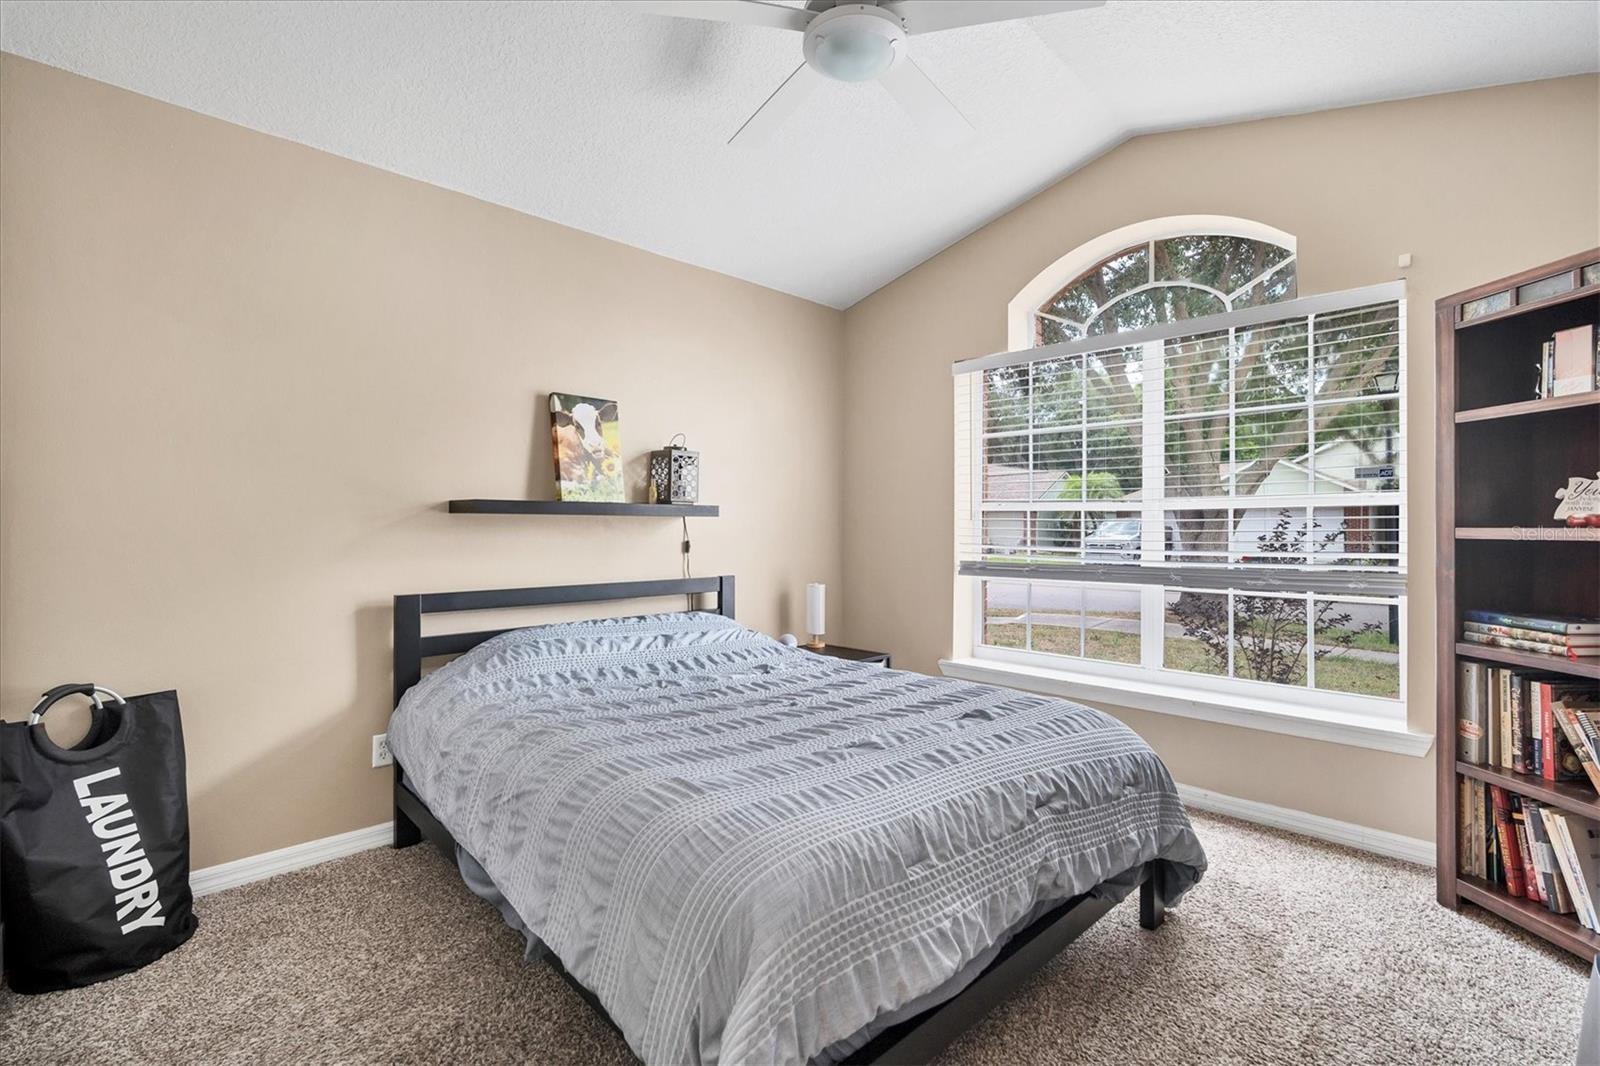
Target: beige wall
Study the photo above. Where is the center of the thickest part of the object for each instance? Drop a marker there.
(1474, 185)
(238, 379)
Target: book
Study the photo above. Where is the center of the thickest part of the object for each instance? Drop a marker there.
(1547, 360)
(1535, 728)
(1518, 633)
(1535, 860)
(1574, 361)
(1480, 853)
(1580, 839)
(1548, 760)
(1552, 882)
(1543, 623)
(1530, 874)
(1511, 688)
(1493, 857)
(1471, 742)
(1567, 859)
(1499, 699)
(1491, 718)
(1584, 837)
(1584, 709)
(1505, 833)
(1561, 762)
(1568, 720)
(1520, 698)
(1561, 650)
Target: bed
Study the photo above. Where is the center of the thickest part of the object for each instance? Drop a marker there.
(738, 851)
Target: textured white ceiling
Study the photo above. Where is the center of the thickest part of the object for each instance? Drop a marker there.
(615, 121)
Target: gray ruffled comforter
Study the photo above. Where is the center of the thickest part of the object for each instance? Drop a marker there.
(749, 852)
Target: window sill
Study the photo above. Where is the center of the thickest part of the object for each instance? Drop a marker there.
(1334, 727)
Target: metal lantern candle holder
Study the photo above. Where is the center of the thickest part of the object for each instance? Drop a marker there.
(675, 473)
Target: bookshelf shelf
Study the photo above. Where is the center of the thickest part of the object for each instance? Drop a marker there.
(1546, 534)
(1529, 407)
(1501, 457)
(1531, 659)
(1569, 796)
(1563, 930)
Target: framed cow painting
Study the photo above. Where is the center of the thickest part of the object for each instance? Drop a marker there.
(587, 442)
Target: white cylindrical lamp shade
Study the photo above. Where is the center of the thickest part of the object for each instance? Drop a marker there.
(816, 609)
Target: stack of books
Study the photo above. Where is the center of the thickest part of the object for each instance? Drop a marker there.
(1546, 726)
(1531, 850)
(1569, 363)
(1528, 722)
(1569, 638)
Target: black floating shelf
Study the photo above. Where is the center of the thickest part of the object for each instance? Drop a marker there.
(638, 510)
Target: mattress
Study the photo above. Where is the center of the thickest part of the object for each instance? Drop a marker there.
(750, 853)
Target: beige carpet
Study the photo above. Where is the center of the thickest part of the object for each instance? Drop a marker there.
(1290, 951)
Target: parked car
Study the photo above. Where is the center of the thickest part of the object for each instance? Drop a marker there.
(1119, 540)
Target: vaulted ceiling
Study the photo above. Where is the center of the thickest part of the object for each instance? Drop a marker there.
(614, 121)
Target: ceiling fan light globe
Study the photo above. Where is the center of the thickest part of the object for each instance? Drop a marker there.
(854, 42)
(851, 54)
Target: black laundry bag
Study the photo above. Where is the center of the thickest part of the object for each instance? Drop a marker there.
(94, 842)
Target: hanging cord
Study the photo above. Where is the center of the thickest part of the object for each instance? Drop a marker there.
(686, 573)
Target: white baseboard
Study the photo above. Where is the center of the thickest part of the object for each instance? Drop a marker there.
(295, 857)
(1377, 841)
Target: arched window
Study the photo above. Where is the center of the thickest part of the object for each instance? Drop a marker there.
(1167, 279)
(1153, 272)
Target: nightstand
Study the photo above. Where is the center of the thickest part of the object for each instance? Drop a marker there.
(858, 655)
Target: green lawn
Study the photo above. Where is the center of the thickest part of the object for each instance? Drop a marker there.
(1334, 674)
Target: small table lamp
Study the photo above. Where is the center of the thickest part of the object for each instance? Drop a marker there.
(816, 613)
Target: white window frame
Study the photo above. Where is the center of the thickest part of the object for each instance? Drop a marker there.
(1025, 305)
(1348, 718)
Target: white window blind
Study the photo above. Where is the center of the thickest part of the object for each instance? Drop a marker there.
(1168, 495)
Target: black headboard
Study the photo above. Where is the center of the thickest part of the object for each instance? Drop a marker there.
(411, 647)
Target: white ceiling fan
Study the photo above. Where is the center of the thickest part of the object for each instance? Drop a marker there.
(857, 42)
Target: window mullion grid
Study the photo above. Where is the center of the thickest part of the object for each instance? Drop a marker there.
(1402, 470)
(1311, 410)
(1232, 637)
(1233, 416)
(1311, 646)
(977, 415)
(1083, 496)
(1152, 502)
(1083, 622)
(1030, 527)
(1401, 458)
(1083, 437)
(1257, 280)
(1311, 487)
(1402, 622)
(1027, 615)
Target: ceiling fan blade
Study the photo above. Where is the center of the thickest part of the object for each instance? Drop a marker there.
(779, 106)
(932, 110)
(931, 16)
(744, 12)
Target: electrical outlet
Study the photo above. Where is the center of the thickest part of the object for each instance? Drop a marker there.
(380, 750)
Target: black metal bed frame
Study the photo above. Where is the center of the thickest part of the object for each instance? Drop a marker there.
(915, 1040)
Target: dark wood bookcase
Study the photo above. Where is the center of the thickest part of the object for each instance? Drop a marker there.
(1502, 454)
